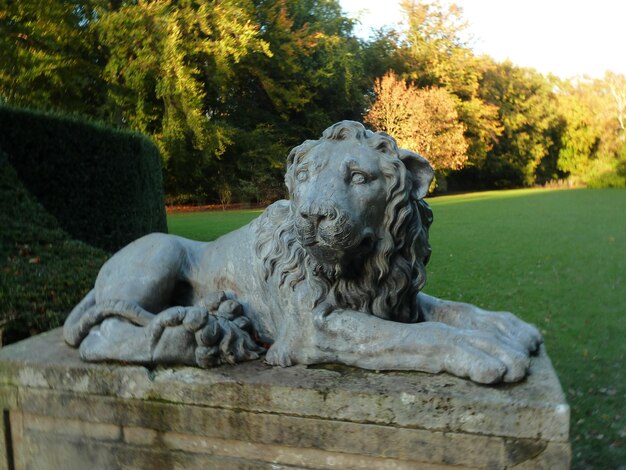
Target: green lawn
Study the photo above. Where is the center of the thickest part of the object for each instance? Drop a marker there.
(555, 258)
(207, 226)
(558, 260)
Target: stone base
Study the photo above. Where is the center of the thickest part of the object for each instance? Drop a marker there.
(62, 413)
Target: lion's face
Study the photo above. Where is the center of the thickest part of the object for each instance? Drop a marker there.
(355, 229)
(338, 199)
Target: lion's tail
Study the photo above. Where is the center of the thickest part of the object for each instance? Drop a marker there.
(73, 319)
(88, 314)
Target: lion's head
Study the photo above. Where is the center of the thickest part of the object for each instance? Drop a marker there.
(356, 227)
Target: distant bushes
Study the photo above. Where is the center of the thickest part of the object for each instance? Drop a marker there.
(103, 185)
(607, 172)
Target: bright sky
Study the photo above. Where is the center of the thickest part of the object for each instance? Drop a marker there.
(564, 37)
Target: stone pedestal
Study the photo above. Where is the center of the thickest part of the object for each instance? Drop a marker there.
(62, 413)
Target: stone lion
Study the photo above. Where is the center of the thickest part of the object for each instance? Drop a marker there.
(332, 275)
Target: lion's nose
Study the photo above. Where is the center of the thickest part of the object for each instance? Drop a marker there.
(317, 215)
(314, 218)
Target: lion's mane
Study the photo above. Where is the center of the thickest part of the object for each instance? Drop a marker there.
(393, 273)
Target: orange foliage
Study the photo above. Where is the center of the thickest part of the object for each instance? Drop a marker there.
(424, 120)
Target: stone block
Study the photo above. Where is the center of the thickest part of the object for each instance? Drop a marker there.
(63, 413)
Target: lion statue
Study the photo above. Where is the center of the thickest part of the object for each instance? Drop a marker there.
(332, 275)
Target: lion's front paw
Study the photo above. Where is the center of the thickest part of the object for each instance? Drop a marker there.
(511, 327)
(226, 335)
(277, 355)
(486, 358)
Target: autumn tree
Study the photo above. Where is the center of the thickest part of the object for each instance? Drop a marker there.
(423, 120)
(436, 52)
(226, 88)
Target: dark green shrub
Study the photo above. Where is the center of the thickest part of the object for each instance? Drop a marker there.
(103, 185)
(43, 272)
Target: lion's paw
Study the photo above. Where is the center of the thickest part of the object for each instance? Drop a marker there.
(226, 336)
(277, 355)
(511, 327)
(525, 333)
(486, 358)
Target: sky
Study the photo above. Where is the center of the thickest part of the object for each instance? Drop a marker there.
(566, 38)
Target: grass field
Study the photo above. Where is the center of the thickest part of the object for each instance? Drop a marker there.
(207, 226)
(555, 258)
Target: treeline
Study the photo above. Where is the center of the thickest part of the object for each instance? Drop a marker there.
(225, 88)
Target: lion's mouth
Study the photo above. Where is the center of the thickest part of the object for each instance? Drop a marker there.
(334, 241)
(337, 253)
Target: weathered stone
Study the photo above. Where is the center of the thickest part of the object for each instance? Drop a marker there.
(332, 275)
(65, 413)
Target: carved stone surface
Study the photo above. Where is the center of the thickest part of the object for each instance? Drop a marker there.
(61, 412)
(332, 275)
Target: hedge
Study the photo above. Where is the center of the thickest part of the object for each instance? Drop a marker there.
(43, 272)
(103, 185)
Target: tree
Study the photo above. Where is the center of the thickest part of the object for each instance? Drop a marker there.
(581, 132)
(437, 54)
(313, 78)
(616, 83)
(527, 112)
(225, 88)
(50, 55)
(423, 120)
(593, 147)
(433, 39)
(170, 71)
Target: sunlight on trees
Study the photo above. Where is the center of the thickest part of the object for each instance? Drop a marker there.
(49, 56)
(593, 141)
(226, 88)
(528, 114)
(434, 54)
(617, 86)
(433, 38)
(171, 83)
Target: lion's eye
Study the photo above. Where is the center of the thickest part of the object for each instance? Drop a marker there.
(358, 178)
(302, 175)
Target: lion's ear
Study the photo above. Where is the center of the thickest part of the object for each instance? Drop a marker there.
(420, 170)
